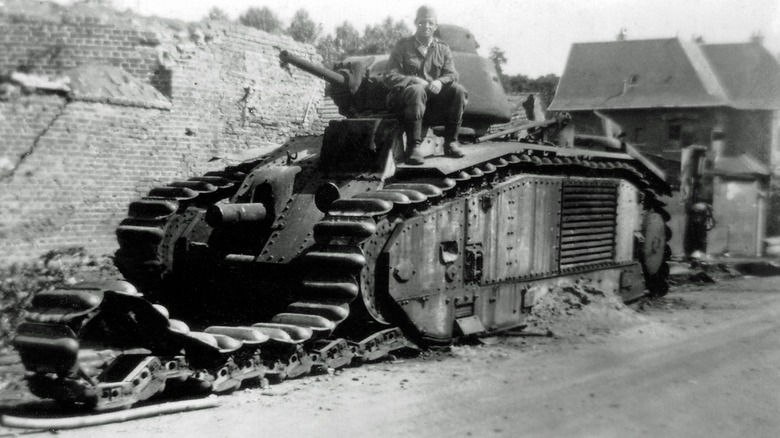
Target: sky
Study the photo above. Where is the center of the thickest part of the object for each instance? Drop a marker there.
(535, 35)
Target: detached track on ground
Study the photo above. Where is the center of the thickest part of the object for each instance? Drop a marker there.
(688, 371)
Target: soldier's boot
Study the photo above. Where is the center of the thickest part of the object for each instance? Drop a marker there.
(451, 145)
(415, 157)
(413, 142)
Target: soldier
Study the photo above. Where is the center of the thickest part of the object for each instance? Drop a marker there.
(420, 74)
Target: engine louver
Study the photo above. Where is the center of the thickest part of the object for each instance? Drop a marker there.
(588, 218)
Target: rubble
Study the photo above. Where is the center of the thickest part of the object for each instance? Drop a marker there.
(579, 310)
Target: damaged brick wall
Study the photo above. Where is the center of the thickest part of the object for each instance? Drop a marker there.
(48, 45)
(70, 163)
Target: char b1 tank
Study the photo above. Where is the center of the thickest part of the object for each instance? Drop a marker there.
(331, 249)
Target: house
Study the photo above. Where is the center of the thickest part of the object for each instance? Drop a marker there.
(709, 114)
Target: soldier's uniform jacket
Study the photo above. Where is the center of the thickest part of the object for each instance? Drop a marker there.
(407, 60)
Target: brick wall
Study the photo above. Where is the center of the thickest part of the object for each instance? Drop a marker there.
(48, 45)
(69, 167)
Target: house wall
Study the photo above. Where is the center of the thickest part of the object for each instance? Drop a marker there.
(586, 122)
(649, 129)
(68, 168)
(752, 132)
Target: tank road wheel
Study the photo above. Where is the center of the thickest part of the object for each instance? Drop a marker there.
(654, 252)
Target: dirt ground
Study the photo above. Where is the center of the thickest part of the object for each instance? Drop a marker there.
(703, 361)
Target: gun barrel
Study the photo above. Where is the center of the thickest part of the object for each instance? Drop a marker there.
(517, 128)
(310, 67)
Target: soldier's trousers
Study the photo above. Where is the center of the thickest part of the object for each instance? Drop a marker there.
(415, 103)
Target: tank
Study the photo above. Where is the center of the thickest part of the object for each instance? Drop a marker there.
(330, 250)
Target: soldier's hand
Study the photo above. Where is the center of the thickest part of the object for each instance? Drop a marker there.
(419, 81)
(434, 87)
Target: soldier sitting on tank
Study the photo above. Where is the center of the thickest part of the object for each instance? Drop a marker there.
(421, 75)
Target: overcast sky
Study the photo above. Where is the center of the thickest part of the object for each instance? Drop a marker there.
(535, 35)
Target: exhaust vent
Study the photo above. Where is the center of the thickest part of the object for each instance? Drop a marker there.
(588, 219)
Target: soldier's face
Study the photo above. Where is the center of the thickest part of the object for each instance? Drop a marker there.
(426, 26)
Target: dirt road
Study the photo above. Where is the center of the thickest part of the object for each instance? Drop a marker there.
(703, 362)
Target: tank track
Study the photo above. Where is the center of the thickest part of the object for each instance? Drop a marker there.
(103, 346)
(293, 343)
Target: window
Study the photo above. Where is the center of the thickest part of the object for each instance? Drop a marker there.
(675, 132)
(637, 135)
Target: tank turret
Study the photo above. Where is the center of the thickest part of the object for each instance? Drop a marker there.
(356, 83)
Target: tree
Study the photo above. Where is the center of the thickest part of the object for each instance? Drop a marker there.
(377, 39)
(382, 37)
(217, 14)
(348, 39)
(498, 57)
(546, 86)
(303, 29)
(261, 18)
(518, 83)
(326, 47)
(346, 42)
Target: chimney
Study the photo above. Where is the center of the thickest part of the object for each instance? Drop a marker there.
(623, 34)
(757, 38)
